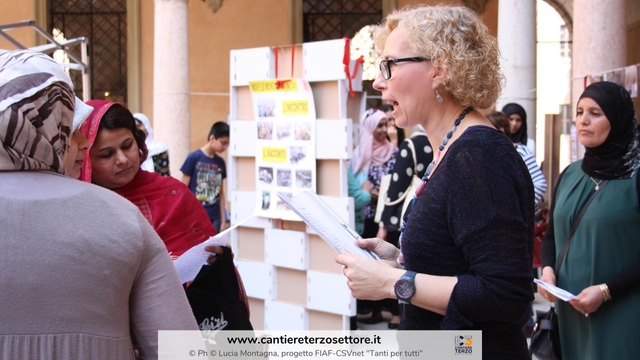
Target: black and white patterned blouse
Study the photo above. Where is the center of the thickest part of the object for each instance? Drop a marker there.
(402, 175)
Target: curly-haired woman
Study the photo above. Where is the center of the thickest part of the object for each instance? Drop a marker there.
(467, 243)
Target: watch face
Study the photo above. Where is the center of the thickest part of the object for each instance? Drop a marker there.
(404, 288)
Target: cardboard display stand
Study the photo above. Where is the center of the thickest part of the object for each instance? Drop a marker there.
(289, 272)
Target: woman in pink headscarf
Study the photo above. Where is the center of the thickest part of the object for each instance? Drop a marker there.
(372, 159)
(374, 149)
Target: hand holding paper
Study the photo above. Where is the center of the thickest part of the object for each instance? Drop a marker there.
(189, 264)
(556, 291)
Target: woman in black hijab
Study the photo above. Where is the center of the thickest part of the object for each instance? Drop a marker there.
(518, 122)
(601, 266)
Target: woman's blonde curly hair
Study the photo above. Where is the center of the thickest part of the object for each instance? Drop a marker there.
(457, 42)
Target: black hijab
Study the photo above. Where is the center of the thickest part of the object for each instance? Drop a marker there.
(519, 137)
(619, 155)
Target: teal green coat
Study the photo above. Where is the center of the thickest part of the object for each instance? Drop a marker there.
(606, 243)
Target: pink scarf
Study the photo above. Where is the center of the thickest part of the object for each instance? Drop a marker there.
(370, 151)
(90, 130)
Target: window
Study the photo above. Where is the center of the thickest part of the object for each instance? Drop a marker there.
(104, 24)
(565, 42)
(334, 19)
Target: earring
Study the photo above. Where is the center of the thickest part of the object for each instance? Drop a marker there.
(439, 98)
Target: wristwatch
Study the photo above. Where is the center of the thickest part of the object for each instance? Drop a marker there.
(405, 287)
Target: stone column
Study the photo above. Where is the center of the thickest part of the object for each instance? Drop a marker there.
(171, 103)
(599, 41)
(517, 42)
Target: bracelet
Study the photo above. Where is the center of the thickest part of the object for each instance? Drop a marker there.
(606, 295)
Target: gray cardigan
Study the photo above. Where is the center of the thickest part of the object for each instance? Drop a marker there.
(83, 274)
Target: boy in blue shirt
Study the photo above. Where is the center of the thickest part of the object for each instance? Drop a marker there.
(204, 171)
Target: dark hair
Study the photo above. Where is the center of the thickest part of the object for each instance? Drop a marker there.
(500, 120)
(401, 134)
(219, 130)
(118, 117)
(520, 137)
(387, 107)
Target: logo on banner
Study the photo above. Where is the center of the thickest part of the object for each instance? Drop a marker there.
(464, 344)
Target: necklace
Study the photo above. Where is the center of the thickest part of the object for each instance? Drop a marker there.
(436, 157)
(596, 182)
(425, 178)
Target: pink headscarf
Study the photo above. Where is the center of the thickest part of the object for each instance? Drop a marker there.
(370, 151)
(90, 130)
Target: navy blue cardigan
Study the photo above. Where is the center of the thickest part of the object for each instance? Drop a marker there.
(475, 221)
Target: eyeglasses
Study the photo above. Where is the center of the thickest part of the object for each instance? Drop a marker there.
(385, 65)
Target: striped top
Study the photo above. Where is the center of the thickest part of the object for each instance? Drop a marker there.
(537, 177)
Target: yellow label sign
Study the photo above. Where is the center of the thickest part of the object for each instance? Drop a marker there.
(274, 86)
(295, 107)
(274, 154)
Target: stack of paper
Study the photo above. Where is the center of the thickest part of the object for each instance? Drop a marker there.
(331, 228)
(556, 291)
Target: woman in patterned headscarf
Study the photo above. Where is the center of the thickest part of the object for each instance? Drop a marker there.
(37, 106)
(601, 265)
(76, 283)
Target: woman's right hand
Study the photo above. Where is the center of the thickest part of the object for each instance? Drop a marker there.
(548, 276)
(215, 251)
(367, 278)
(385, 250)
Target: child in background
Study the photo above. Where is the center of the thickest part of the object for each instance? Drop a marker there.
(204, 171)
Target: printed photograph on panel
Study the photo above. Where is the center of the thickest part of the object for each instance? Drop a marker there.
(284, 177)
(303, 131)
(297, 154)
(281, 205)
(283, 130)
(266, 199)
(265, 174)
(303, 178)
(265, 130)
(267, 108)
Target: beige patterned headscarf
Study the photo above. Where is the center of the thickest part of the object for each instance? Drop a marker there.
(36, 112)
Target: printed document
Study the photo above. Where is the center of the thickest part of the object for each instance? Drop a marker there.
(331, 228)
(556, 291)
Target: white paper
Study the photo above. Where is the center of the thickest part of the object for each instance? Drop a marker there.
(331, 228)
(556, 291)
(189, 264)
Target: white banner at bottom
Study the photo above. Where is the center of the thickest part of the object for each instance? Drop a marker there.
(304, 345)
